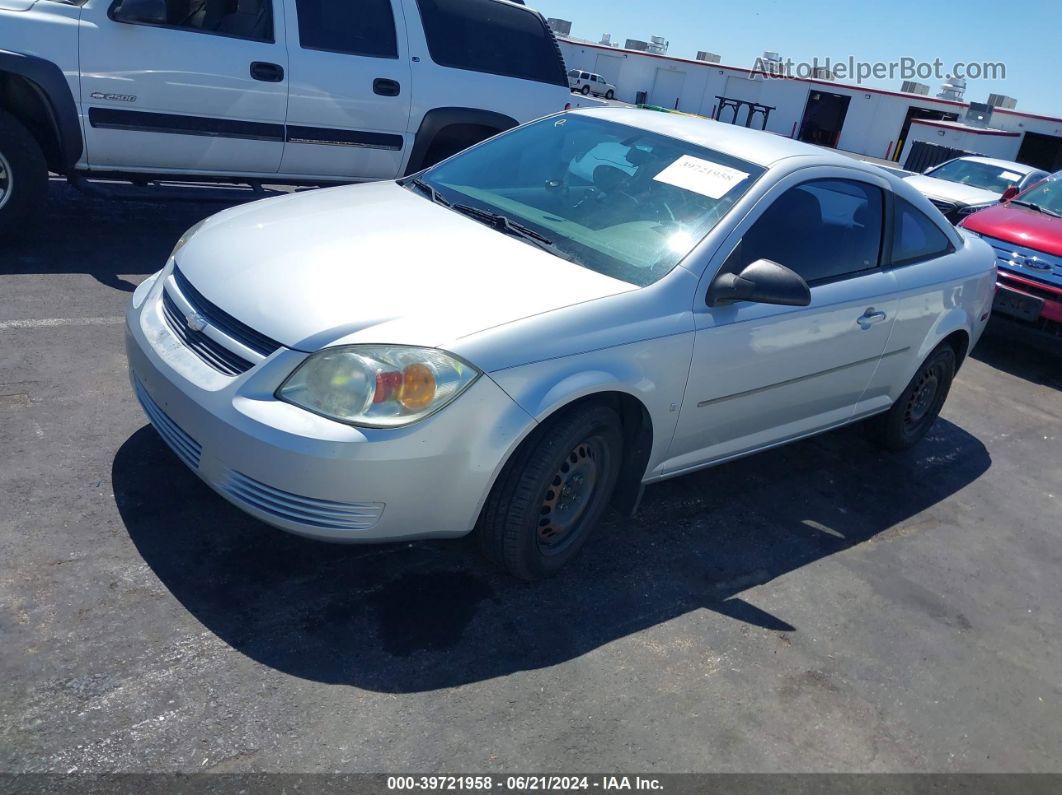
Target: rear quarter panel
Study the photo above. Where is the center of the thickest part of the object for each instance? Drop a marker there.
(935, 299)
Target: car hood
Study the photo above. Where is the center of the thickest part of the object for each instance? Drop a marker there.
(1019, 225)
(375, 263)
(951, 191)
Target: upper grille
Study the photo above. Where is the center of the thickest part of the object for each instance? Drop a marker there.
(1021, 259)
(217, 356)
(222, 320)
(186, 448)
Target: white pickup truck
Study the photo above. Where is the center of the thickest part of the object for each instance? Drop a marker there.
(310, 91)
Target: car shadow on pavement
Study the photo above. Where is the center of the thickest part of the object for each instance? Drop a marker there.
(420, 616)
(105, 238)
(1008, 348)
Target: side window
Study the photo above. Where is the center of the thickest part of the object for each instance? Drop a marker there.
(821, 229)
(492, 36)
(914, 236)
(365, 27)
(245, 19)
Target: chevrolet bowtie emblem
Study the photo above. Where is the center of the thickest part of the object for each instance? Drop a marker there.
(195, 321)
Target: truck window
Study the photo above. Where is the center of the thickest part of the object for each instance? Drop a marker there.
(363, 28)
(491, 36)
(245, 19)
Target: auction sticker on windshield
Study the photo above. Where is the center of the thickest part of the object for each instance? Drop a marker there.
(701, 176)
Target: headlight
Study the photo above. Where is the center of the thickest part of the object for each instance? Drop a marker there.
(188, 235)
(379, 386)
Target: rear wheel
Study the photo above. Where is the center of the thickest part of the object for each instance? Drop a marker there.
(914, 413)
(585, 90)
(552, 493)
(23, 175)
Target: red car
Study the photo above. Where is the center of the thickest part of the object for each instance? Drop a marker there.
(1026, 233)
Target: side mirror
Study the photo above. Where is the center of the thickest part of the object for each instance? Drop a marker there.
(763, 282)
(153, 12)
(1009, 193)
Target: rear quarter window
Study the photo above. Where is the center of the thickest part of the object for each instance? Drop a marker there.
(494, 37)
(914, 236)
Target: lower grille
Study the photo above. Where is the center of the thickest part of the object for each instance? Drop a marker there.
(186, 448)
(217, 356)
(301, 510)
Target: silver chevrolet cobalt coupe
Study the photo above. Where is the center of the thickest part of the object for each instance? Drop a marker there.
(513, 339)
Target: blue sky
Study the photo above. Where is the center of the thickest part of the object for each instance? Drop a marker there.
(1026, 35)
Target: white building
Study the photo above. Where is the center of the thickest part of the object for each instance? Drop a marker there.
(869, 121)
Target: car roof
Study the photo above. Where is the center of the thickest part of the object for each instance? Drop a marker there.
(755, 146)
(1010, 165)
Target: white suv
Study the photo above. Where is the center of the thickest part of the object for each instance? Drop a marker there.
(305, 91)
(587, 83)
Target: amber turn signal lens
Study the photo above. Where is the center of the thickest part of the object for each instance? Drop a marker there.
(418, 387)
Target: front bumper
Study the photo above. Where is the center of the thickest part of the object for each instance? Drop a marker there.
(307, 474)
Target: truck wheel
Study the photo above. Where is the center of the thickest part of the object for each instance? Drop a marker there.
(552, 492)
(23, 175)
(915, 411)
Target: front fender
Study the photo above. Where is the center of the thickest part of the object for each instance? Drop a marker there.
(654, 372)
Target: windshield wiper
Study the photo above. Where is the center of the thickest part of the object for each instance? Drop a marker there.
(503, 223)
(1034, 206)
(424, 187)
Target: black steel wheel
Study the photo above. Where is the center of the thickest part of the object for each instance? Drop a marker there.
(552, 492)
(914, 413)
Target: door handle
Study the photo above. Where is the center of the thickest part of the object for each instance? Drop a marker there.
(267, 72)
(869, 318)
(385, 87)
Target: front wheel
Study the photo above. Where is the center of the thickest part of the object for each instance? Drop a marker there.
(552, 492)
(23, 176)
(610, 94)
(912, 415)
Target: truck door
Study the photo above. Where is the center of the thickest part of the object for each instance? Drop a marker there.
(196, 86)
(350, 89)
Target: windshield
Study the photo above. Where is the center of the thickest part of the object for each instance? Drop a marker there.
(619, 200)
(1046, 194)
(977, 175)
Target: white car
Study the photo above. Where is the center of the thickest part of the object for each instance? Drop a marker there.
(303, 91)
(967, 184)
(587, 83)
(505, 344)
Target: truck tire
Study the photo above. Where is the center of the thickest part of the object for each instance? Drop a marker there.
(23, 176)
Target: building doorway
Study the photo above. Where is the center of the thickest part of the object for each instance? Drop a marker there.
(823, 118)
(1041, 151)
(913, 113)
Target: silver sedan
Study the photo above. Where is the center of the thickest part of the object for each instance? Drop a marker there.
(520, 336)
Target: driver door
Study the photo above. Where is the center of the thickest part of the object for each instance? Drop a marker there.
(763, 374)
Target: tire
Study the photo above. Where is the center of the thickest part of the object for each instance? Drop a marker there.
(610, 94)
(915, 411)
(23, 176)
(552, 492)
(585, 90)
